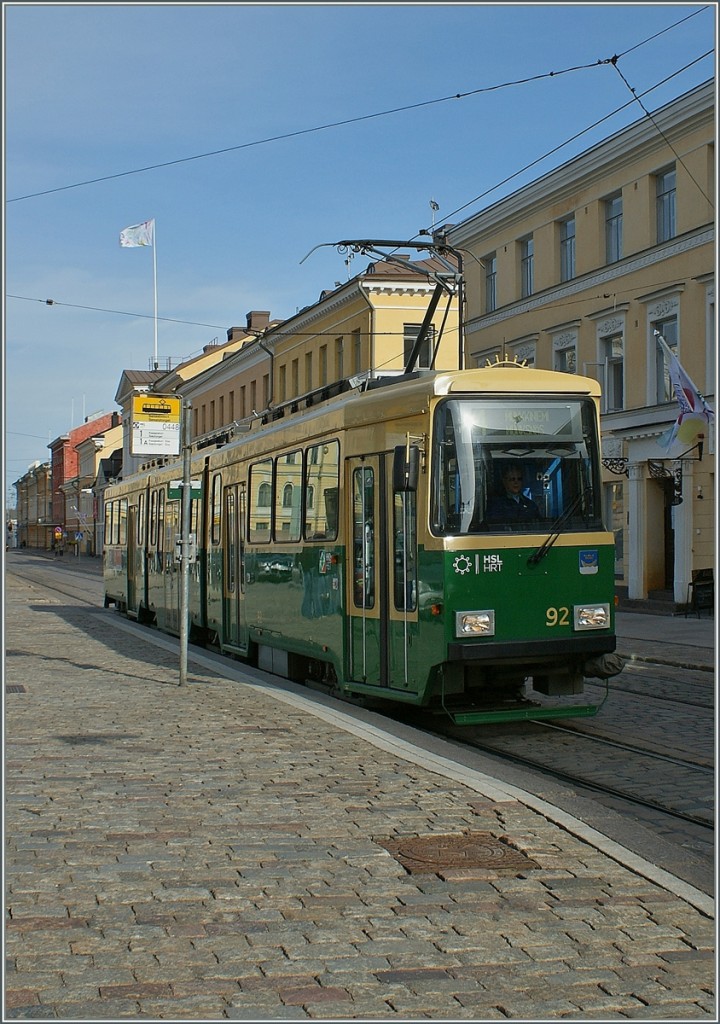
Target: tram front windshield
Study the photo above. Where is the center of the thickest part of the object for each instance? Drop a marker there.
(515, 464)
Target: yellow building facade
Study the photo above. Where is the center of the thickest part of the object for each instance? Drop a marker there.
(580, 271)
(359, 330)
(34, 507)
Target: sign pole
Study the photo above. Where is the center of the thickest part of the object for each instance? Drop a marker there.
(185, 543)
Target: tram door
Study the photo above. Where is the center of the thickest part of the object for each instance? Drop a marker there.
(235, 634)
(172, 567)
(132, 558)
(382, 599)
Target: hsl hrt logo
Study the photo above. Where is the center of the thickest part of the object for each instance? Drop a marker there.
(492, 563)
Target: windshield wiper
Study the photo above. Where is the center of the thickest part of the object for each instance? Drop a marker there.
(556, 529)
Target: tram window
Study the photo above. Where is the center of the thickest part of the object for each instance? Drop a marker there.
(216, 509)
(194, 515)
(322, 482)
(231, 527)
(153, 517)
(140, 525)
(116, 522)
(363, 492)
(288, 496)
(515, 466)
(122, 521)
(260, 510)
(108, 522)
(161, 521)
(405, 550)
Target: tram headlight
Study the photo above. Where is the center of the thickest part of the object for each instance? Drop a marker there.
(475, 623)
(592, 616)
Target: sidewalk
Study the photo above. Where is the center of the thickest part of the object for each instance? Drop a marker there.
(224, 850)
(667, 639)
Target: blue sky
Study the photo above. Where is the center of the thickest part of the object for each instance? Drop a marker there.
(93, 91)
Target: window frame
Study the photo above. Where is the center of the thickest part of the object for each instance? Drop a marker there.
(614, 228)
(567, 249)
(666, 205)
(527, 266)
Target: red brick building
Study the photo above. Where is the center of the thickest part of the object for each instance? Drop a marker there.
(64, 458)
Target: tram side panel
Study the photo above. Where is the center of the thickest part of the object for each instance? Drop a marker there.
(293, 561)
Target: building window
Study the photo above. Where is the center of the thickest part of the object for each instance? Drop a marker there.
(264, 495)
(490, 282)
(232, 407)
(266, 390)
(665, 191)
(243, 405)
(323, 366)
(357, 351)
(613, 229)
(283, 382)
(669, 331)
(410, 334)
(295, 377)
(613, 358)
(308, 371)
(253, 397)
(567, 249)
(339, 370)
(565, 359)
(527, 266)
(222, 411)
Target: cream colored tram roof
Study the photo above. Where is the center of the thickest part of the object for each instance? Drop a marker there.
(400, 399)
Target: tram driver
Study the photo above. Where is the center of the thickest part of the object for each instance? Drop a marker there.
(512, 507)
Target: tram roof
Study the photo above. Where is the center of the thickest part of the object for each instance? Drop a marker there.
(381, 398)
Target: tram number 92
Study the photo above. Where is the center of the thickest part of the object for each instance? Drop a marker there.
(557, 617)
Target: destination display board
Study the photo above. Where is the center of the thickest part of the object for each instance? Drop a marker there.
(155, 425)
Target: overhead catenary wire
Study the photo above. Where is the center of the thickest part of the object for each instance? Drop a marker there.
(648, 114)
(573, 138)
(118, 312)
(354, 120)
(308, 131)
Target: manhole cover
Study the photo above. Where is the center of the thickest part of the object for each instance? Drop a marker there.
(473, 850)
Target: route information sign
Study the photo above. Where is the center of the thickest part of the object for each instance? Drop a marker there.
(155, 425)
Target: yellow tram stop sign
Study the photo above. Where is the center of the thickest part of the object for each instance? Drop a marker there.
(155, 425)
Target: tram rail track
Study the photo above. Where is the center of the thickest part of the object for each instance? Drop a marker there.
(611, 791)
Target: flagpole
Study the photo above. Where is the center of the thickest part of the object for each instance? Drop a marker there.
(154, 249)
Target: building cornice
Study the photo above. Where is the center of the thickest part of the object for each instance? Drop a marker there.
(622, 149)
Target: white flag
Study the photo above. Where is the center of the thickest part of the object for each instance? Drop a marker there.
(695, 414)
(138, 234)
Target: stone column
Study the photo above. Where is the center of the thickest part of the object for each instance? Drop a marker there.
(683, 526)
(637, 587)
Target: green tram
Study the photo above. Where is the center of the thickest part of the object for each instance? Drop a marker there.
(434, 539)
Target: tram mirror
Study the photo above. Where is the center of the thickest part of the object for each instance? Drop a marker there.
(406, 468)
